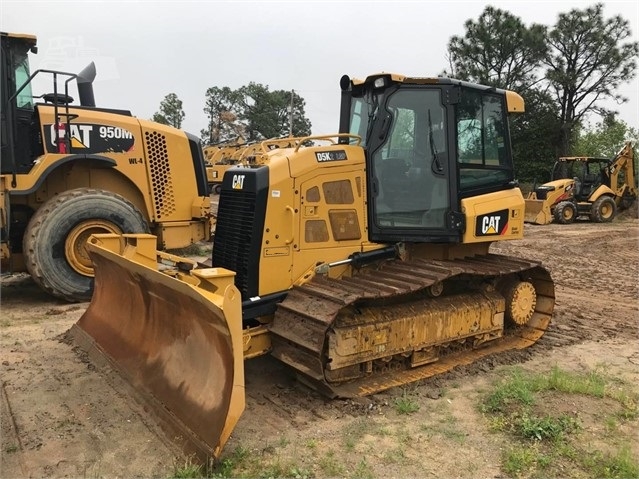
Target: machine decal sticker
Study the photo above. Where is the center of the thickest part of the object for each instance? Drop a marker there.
(238, 182)
(89, 138)
(492, 224)
(324, 156)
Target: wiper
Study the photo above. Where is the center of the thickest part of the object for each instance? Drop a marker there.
(436, 164)
(371, 101)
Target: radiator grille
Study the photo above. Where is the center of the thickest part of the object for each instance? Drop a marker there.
(234, 235)
(161, 180)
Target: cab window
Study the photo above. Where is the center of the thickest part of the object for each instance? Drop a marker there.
(410, 167)
(483, 155)
(25, 97)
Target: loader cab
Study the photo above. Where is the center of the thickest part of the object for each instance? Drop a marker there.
(17, 106)
(429, 142)
(22, 141)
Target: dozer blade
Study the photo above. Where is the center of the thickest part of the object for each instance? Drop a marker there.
(537, 212)
(179, 344)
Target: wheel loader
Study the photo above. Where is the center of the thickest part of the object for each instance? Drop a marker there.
(362, 262)
(585, 186)
(70, 170)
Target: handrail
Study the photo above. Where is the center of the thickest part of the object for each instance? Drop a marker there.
(289, 241)
(330, 138)
(56, 112)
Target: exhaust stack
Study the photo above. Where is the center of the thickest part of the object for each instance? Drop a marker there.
(85, 85)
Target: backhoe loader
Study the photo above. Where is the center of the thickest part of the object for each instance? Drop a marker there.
(361, 262)
(585, 186)
(68, 171)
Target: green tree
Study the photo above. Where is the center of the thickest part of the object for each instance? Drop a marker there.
(170, 112)
(267, 114)
(498, 50)
(222, 107)
(588, 60)
(254, 113)
(605, 139)
(535, 136)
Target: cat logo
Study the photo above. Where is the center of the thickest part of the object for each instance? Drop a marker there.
(80, 135)
(90, 138)
(492, 224)
(238, 182)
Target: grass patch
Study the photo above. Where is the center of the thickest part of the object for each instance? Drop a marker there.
(620, 465)
(253, 464)
(363, 470)
(331, 465)
(518, 459)
(406, 404)
(188, 469)
(516, 390)
(542, 414)
(356, 430)
(447, 428)
(544, 428)
(396, 455)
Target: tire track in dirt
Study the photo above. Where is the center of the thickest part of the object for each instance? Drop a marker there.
(595, 268)
(68, 421)
(74, 421)
(596, 300)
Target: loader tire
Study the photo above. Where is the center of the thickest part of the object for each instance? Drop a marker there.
(603, 210)
(565, 212)
(54, 242)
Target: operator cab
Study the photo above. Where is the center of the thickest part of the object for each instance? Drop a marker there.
(429, 143)
(588, 173)
(21, 134)
(16, 109)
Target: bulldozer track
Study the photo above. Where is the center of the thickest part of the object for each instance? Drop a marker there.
(303, 320)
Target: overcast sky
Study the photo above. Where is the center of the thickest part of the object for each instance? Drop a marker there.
(144, 50)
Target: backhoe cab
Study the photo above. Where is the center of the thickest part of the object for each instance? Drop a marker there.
(585, 186)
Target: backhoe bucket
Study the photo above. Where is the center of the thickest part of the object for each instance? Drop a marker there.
(178, 342)
(537, 212)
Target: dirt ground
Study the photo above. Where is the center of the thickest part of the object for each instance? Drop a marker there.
(63, 418)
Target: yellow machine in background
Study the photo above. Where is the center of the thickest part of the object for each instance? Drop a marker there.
(362, 263)
(221, 158)
(585, 186)
(69, 171)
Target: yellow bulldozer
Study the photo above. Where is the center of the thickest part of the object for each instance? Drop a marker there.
(590, 187)
(362, 262)
(69, 171)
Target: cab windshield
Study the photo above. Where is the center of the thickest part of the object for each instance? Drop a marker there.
(20, 68)
(409, 166)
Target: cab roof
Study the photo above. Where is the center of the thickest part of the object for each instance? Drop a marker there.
(514, 101)
(21, 36)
